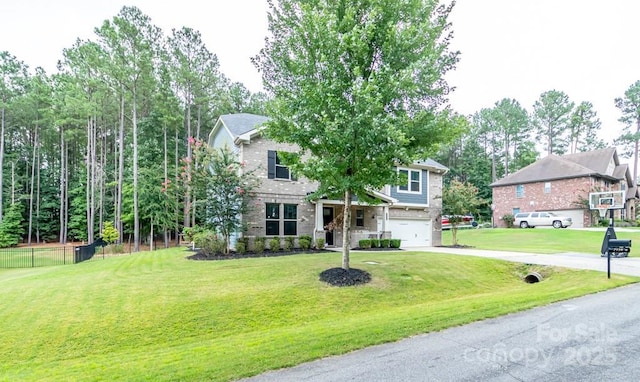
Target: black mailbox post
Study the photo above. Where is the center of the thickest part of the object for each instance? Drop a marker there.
(614, 247)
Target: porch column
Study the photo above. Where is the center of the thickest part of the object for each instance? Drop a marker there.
(319, 226)
(385, 218)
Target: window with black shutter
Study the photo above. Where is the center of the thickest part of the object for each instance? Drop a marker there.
(277, 170)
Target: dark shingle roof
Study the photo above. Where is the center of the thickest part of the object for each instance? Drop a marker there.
(241, 123)
(432, 164)
(597, 160)
(551, 167)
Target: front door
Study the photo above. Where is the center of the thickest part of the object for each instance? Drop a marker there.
(327, 217)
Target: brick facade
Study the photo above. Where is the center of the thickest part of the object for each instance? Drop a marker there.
(563, 194)
(253, 150)
(279, 191)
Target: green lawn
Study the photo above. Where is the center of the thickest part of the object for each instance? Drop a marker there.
(156, 316)
(537, 240)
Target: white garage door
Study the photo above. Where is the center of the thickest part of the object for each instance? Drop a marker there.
(577, 217)
(413, 233)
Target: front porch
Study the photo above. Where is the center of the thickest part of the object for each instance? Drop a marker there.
(367, 222)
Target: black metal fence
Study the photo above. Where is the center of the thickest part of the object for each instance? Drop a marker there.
(46, 256)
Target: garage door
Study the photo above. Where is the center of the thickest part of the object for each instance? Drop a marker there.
(413, 233)
(577, 217)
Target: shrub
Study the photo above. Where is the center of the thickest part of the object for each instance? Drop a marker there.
(274, 244)
(189, 233)
(375, 243)
(289, 242)
(509, 219)
(394, 243)
(320, 243)
(241, 247)
(109, 233)
(258, 244)
(305, 237)
(305, 243)
(208, 242)
(364, 243)
(384, 243)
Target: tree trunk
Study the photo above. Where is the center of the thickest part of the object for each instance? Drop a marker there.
(175, 179)
(38, 203)
(120, 186)
(63, 171)
(13, 182)
(2, 122)
(346, 228)
(151, 236)
(136, 213)
(102, 186)
(32, 184)
(187, 201)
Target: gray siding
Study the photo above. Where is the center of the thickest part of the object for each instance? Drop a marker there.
(422, 198)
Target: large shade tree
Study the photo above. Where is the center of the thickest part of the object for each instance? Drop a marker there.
(629, 107)
(358, 86)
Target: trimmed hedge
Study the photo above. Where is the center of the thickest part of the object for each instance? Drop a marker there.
(364, 243)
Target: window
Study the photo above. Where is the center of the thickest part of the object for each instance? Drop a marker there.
(290, 219)
(520, 191)
(413, 181)
(359, 218)
(273, 219)
(547, 187)
(277, 170)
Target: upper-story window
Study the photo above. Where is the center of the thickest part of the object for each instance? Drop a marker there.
(277, 170)
(547, 187)
(520, 191)
(411, 181)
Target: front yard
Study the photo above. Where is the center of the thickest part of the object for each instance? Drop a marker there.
(157, 316)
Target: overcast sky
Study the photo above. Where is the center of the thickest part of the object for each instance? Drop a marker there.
(509, 48)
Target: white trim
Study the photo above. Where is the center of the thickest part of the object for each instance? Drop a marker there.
(410, 181)
(411, 205)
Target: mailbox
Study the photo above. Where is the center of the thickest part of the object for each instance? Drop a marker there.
(618, 247)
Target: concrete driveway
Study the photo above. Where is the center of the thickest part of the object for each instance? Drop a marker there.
(625, 265)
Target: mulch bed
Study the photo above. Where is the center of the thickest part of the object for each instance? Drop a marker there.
(334, 276)
(341, 277)
(247, 255)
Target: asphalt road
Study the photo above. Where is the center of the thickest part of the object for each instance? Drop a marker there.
(591, 338)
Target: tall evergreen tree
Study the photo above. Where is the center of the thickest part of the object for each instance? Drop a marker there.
(551, 118)
(584, 126)
(629, 107)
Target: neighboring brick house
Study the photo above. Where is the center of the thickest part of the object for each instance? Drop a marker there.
(409, 212)
(562, 184)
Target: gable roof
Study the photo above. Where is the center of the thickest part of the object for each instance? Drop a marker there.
(597, 160)
(242, 123)
(554, 167)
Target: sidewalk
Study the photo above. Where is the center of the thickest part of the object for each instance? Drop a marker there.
(625, 266)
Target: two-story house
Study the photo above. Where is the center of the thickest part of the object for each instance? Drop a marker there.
(562, 184)
(409, 212)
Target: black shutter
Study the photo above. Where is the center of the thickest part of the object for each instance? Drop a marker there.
(271, 164)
